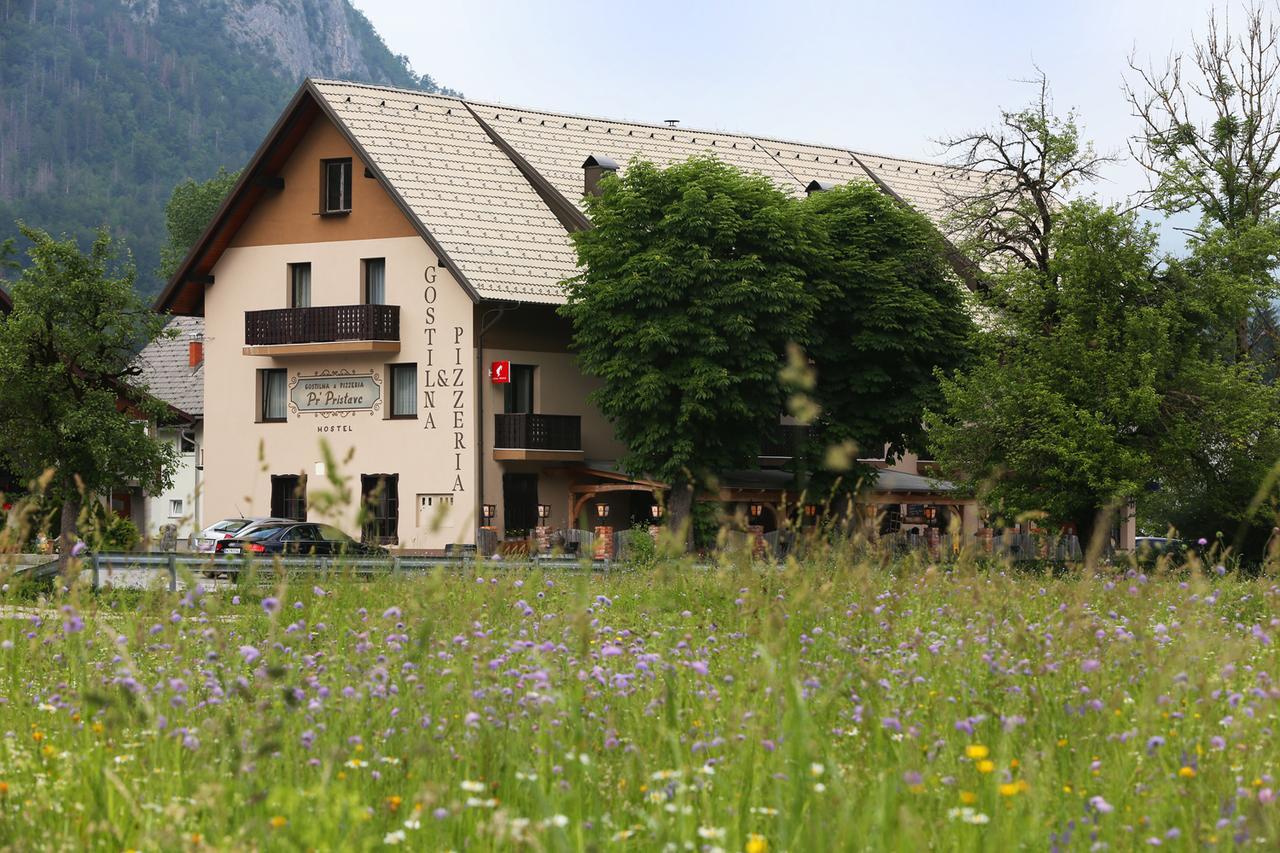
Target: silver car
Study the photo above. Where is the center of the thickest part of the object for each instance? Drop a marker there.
(228, 528)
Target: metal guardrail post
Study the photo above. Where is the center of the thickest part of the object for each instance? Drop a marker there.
(395, 566)
(173, 572)
(96, 563)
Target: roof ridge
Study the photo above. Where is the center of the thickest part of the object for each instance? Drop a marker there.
(747, 136)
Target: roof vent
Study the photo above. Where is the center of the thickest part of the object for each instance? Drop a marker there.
(819, 186)
(671, 122)
(593, 169)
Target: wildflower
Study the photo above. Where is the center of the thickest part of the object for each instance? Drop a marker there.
(4, 789)
(1185, 772)
(968, 797)
(816, 770)
(270, 604)
(711, 833)
(559, 821)
(986, 765)
(976, 751)
(1090, 665)
(1265, 796)
(1101, 806)
(278, 821)
(472, 787)
(393, 802)
(413, 823)
(819, 788)
(249, 653)
(393, 838)
(756, 843)
(1010, 789)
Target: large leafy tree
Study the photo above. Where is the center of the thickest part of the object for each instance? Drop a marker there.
(891, 315)
(1209, 139)
(66, 358)
(190, 210)
(693, 284)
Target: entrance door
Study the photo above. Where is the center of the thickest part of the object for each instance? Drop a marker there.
(520, 503)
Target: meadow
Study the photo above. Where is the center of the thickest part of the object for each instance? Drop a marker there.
(845, 703)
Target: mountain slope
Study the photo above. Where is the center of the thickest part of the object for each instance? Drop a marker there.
(105, 105)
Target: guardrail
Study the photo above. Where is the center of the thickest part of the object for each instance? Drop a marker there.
(174, 564)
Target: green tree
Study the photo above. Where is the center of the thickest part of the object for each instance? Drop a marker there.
(890, 314)
(1108, 383)
(190, 210)
(66, 358)
(693, 285)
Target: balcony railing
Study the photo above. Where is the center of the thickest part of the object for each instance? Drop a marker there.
(781, 443)
(538, 432)
(327, 324)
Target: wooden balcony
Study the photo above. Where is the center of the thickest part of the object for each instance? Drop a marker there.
(550, 438)
(330, 329)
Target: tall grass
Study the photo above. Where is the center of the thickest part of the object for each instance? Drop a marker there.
(841, 704)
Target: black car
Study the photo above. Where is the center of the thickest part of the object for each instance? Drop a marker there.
(296, 538)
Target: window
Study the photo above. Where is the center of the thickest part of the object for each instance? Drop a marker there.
(299, 285)
(379, 495)
(273, 401)
(175, 508)
(404, 390)
(375, 281)
(336, 186)
(518, 393)
(289, 496)
(186, 442)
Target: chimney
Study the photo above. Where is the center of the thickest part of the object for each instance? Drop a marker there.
(819, 186)
(195, 353)
(671, 122)
(593, 170)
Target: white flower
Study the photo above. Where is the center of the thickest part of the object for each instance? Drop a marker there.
(526, 777)
(707, 770)
(413, 823)
(356, 763)
(560, 821)
(978, 818)
(121, 759)
(396, 837)
(819, 788)
(711, 833)
(472, 787)
(477, 803)
(816, 770)
(45, 706)
(764, 810)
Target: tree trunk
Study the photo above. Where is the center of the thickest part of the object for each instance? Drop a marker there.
(67, 525)
(680, 511)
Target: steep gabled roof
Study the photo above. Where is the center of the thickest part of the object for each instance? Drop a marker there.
(166, 367)
(496, 190)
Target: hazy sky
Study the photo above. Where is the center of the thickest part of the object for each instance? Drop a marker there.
(889, 77)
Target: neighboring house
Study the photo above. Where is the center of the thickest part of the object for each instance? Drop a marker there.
(385, 277)
(173, 372)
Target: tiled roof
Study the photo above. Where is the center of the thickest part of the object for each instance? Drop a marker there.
(491, 221)
(166, 369)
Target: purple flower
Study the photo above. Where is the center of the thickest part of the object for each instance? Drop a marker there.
(699, 666)
(270, 604)
(250, 654)
(1090, 665)
(1101, 806)
(391, 613)
(79, 548)
(911, 777)
(1154, 743)
(891, 723)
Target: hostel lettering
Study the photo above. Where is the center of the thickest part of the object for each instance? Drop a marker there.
(451, 378)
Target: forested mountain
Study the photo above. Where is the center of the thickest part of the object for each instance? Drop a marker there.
(105, 105)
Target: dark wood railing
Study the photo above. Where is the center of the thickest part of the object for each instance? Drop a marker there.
(322, 325)
(780, 443)
(538, 432)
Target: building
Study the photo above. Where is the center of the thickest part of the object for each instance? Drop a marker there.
(385, 276)
(173, 372)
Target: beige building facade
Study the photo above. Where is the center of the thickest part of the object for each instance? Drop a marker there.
(384, 281)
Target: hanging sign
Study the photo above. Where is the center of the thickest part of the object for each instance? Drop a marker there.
(500, 372)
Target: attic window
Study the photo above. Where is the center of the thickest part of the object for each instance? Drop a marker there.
(336, 182)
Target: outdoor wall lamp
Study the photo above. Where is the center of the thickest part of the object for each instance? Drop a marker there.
(544, 511)
(756, 510)
(602, 510)
(811, 510)
(656, 512)
(487, 511)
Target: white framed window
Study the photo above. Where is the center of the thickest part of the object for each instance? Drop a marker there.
(337, 186)
(404, 390)
(299, 285)
(175, 508)
(274, 395)
(375, 281)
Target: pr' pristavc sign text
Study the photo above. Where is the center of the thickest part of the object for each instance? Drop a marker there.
(358, 392)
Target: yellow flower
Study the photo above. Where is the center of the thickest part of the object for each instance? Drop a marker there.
(1010, 789)
(1187, 772)
(49, 751)
(968, 797)
(976, 751)
(1062, 741)
(98, 727)
(278, 821)
(986, 766)
(37, 736)
(756, 844)
(196, 838)
(393, 802)
(4, 789)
